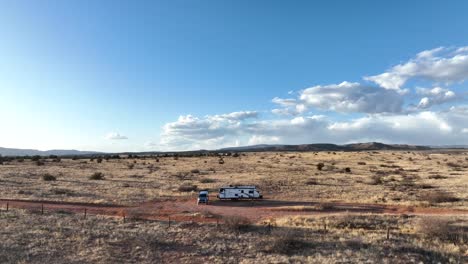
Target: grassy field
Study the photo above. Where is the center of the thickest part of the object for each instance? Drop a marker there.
(28, 237)
(423, 179)
(410, 178)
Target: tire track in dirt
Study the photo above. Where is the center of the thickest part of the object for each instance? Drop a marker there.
(187, 209)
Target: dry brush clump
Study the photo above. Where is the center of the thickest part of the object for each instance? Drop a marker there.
(237, 223)
(432, 227)
(436, 197)
(285, 242)
(207, 180)
(97, 176)
(48, 177)
(187, 188)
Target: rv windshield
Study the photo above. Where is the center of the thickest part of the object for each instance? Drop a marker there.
(202, 195)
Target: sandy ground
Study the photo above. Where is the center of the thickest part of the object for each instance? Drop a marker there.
(256, 211)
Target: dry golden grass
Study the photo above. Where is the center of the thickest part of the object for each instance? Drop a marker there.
(57, 237)
(407, 178)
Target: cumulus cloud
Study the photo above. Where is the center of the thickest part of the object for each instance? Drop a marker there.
(434, 96)
(235, 116)
(444, 127)
(284, 102)
(345, 97)
(212, 131)
(115, 136)
(352, 97)
(385, 109)
(442, 65)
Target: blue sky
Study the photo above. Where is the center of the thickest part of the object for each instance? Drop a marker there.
(175, 75)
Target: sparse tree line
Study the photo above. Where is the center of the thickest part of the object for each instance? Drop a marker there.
(40, 160)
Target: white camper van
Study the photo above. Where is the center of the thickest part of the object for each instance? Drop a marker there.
(239, 192)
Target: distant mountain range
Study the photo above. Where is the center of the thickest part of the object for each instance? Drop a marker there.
(371, 146)
(328, 147)
(34, 152)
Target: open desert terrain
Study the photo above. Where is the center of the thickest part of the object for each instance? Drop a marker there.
(318, 207)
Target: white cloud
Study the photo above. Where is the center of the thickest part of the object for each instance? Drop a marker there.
(115, 136)
(235, 116)
(345, 97)
(442, 65)
(352, 97)
(388, 111)
(256, 140)
(427, 128)
(434, 96)
(284, 102)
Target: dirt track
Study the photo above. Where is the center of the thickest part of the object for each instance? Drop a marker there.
(188, 210)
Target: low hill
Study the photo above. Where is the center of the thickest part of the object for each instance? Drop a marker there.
(34, 152)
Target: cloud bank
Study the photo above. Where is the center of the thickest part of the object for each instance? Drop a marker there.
(389, 107)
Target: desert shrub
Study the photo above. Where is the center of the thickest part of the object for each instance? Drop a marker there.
(48, 177)
(131, 166)
(40, 163)
(426, 186)
(236, 223)
(207, 180)
(440, 197)
(440, 228)
(97, 176)
(454, 165)
(99, 160)
(135, 214)
(320, 166)
(188, 188)
(62, 192)
(286, 242)
(437, 177)
(361, 163)
(235, 155)
(347, 170)
(376, 179)
(36, 158)
(195, 171)
(221, 161)
(311, 181)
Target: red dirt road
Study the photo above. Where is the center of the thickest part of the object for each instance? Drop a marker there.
(188, 210)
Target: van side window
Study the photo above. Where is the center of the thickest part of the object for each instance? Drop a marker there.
(221, 190)
(242, 191)
(251, 191)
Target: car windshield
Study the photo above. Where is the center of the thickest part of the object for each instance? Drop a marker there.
(202, 195)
